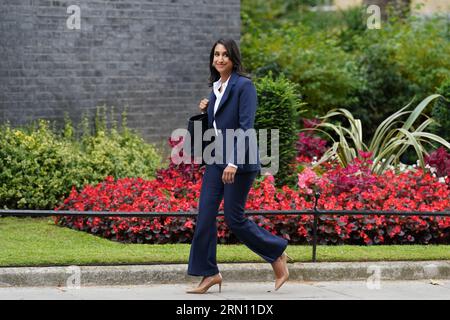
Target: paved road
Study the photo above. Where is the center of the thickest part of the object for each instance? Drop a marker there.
(342, 290)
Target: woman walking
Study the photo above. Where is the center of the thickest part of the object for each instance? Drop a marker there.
(231, 105)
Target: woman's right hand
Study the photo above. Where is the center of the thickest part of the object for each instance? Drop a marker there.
(203, 105)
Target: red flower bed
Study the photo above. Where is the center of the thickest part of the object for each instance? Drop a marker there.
(178, 188)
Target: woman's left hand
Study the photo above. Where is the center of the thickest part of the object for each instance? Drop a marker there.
(228, 174)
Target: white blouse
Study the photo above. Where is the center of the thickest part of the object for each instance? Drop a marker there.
(219, 95)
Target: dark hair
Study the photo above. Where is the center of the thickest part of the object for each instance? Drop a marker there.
(233, 53)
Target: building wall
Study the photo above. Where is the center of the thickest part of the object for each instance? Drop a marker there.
(151, 56)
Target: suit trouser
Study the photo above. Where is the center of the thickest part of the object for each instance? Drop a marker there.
(202, 258)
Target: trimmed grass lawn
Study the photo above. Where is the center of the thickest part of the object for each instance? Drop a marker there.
(39, 242)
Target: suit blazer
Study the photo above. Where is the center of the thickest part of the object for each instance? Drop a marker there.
(236, 110)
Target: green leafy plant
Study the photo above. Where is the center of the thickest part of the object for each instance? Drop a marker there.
(401, 60)
(441, 112)
(39, 165)
(326, 75)
(339, 63)
(118, 153)
(391, 139)
(279, 107)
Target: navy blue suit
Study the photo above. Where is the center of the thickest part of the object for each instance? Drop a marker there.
(236, 110)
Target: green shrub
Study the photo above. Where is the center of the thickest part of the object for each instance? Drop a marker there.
(39, 166)
(120, 154)
(341, 63)
(275, 13)
(36, 167)
(279, 107)
(441, 112)
(386, 88)
(399, 61)
(327, 76)
(353, 23)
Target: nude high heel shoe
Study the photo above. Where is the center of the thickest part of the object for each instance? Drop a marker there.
(208, 283)
(281, 270)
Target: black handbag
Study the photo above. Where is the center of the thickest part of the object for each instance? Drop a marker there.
(203, 121)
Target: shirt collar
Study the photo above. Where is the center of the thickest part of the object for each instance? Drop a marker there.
(218, 82)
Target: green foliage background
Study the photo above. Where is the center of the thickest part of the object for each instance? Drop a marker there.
(39, 165)
(338, 62)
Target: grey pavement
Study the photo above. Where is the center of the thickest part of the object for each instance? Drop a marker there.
(138, 275)
(292, 290)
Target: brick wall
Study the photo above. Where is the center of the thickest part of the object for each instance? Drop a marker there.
(151, 56)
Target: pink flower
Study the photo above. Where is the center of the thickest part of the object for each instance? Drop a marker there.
(306, 178)
(365, 155)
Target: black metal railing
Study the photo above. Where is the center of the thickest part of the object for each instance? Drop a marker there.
(315, 212)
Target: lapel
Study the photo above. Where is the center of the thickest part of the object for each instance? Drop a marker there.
(233, 78)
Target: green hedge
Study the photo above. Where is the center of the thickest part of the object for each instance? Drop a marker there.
(279, 107)
(39, 165)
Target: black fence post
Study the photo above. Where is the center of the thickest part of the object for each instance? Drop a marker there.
(316, 220)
